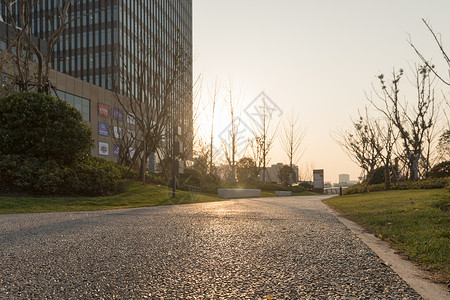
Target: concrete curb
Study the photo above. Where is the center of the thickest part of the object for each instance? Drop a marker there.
(417, 278)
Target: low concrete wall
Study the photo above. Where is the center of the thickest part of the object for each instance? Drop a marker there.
(238, 193)
(283, 193)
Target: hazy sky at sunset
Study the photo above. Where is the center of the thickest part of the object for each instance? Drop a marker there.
(317, 58)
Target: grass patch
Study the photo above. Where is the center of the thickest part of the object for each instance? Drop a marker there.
(416, 222)
(135, 195)
(272, 194)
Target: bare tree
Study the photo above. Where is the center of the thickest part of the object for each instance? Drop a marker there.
(361, 145)
(27, 47)
(264, 135)
(412, 123)
(148, 97)
(232, 144)
(385, 139)
(437, 39)
(122, 131)
(291, 139)
(213, 96)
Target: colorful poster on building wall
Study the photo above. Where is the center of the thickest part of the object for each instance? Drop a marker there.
(103, 148)
(116, 150)
(103, 129)
(118, 114)
(103, 110)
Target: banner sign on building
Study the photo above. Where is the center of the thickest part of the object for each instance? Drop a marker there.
(103, 110)
(118, 114)
(103, 129)
(103, 148)
(116, 150)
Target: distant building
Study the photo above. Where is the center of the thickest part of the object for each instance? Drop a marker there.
(344, 178)
(273, 170)
(344, 181)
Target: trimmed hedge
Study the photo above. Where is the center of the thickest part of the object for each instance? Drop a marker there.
(90, 176)
(429, 183)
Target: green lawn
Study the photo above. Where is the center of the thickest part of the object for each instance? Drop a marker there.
(417, 222)
(136, 195)
(272, 194)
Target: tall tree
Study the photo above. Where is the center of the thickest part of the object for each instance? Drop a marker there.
(291, 140)
(27, 47)
(149, 95)
(385, 139)
(412, 123)
(361, 144)
(232, 142)
(213, 96)
(264, 135)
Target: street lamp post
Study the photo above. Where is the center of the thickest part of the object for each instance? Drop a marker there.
(176, 150)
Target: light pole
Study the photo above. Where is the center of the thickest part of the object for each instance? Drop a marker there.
(176, 150)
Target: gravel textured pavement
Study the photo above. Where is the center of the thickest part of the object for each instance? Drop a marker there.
(285, 248)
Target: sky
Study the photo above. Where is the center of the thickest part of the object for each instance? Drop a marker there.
(317, 59)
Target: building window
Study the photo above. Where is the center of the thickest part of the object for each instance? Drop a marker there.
(83, 105)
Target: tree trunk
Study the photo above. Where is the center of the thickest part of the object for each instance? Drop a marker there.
(387, 175)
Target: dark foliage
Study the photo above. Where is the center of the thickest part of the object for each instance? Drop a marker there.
(44, 150)
(44, 127)
(440, 170)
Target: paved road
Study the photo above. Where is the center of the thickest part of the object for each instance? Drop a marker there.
(286, 248)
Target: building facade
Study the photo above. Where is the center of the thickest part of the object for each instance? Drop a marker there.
(130, 48)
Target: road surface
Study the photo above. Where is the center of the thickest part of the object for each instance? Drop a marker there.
(285, 248)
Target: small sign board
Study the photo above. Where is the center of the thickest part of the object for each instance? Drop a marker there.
(103, 129)
(103, 148)
(118, 114)
(103, 110)
(178, 148)
(318, 181)
(116, 151)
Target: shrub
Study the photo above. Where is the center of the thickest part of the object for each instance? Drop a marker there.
(16, 172)
(42, 126)
(284, 174)
(440, 170)
(156, 179)
(89, 176)
(431, 183)
(44, 149)
(94, 176)
(191, 177)
(307, 185)
(378, 175)
(297, 189)
(246, 170)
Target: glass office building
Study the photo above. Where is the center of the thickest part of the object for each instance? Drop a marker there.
(118, 45)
